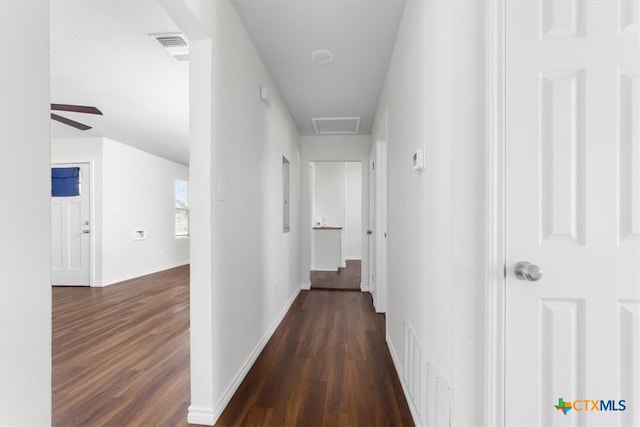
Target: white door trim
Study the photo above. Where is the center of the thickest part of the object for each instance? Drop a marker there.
(495, 279)
(92, 216)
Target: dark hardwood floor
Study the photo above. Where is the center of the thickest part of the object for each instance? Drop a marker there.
(121, 353)
(346, 279)
(121, 358)
(326, 364)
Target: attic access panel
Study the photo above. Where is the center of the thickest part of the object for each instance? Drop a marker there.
(336, 125)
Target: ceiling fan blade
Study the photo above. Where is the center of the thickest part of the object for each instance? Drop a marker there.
(76, 108)
(69, 122)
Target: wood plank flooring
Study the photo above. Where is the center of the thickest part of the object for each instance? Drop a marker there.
(326, 364)
(121, 358)
(344, 279)
(121, 353)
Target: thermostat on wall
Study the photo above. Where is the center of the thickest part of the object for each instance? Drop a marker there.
(418, 160)
(139, 234)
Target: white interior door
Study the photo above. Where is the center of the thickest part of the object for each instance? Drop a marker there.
(378, 218)
(380, 301)
(573, 209)
(372, 222)
(70, 234)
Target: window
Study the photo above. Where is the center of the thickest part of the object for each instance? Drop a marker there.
(182, 208)
(65, 182)
(285, 195)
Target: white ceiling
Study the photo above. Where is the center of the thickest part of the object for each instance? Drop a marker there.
(101, 55)
(361, 35)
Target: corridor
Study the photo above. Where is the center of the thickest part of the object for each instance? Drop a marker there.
(327, 364)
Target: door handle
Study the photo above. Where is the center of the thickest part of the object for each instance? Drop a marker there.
(369, 232)
(86, 231)
(524, 270)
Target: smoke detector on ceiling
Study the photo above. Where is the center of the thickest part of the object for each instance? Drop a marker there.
(322, 56)
(175, 44)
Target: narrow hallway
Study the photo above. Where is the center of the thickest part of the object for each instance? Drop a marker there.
(326, 364)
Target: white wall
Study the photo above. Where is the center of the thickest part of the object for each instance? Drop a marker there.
(139, 193)
(350, 148)
(435, 220)
(245, 270)
(131, 189)
(25, 215)
(353, 215)
(468, 153)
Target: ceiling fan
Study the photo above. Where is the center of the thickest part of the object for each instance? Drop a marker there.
(74, 109)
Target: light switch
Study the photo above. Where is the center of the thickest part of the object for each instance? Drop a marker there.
(222, 190)
(418, 160)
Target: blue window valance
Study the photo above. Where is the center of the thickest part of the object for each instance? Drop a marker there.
(65, 182)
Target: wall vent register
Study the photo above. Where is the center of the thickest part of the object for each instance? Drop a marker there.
(175, 44)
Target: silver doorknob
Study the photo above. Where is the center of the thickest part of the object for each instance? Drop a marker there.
(526, 271)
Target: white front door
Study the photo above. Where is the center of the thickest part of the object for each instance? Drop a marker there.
(70, 233)
(573, 210)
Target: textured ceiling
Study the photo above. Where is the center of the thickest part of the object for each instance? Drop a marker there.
(101, 55)
(360, 33)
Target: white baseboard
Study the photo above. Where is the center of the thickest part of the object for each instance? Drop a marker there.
(200, 415)
(233, 387)
(354, 258)
(396, 363)
(306, 286)
(140, 273)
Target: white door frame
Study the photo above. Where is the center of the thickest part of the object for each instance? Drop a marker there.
(92, 217)
(495, 259)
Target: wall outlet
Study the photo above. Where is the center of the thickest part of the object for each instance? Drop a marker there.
(139, 234)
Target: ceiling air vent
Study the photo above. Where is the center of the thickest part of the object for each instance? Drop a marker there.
(175, 44)
(336, 125)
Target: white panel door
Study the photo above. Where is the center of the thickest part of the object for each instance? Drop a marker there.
(380, 299)
(573, 209)
(378, 217)
(371, 232)
(70, 234)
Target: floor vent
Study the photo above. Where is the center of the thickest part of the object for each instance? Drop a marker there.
(427, 386)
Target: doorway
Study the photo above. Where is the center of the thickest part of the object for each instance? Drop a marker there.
(71, 224)
(336, 232)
